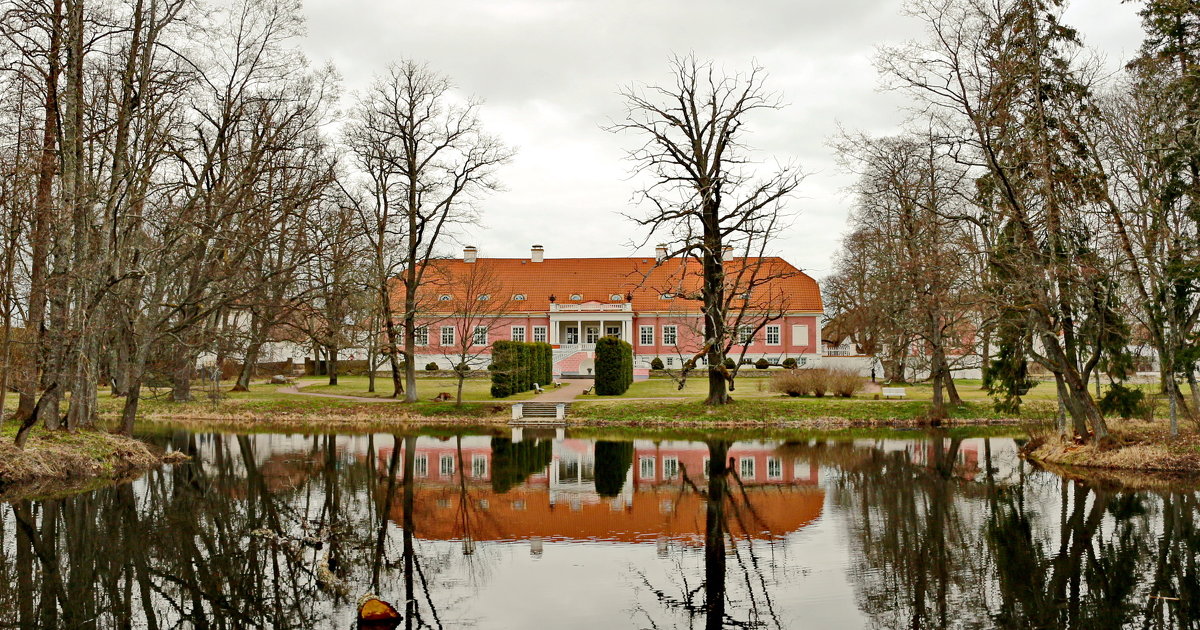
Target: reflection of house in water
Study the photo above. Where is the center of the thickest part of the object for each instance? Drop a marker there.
(968, 454)
(634, 492)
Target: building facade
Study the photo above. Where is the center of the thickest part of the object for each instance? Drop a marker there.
(651, 302)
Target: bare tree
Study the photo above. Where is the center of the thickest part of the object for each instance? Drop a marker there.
(908, 232)
(703, 193)
(478, 300)
(424, 161)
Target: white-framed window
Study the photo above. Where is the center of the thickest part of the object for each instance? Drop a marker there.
(592, 335)
(616, 297)
(518, 333)
(444, 298)
(707, 466)
(773, 334)
(421, 463)
(572, 334)
(670, 335)
(479, 466)
(612, 331)
(422, 335)
(447, 335)
(745, 335)
(446, 465)
(799, 335)
(774, 468)
(666, 296)
(746, 467)
(483, 298)
(520, 297)
(539, 334)
(576, 297)
(646, 467)
(670, 467)
(670, 361)
(480, 336)
(646, 335)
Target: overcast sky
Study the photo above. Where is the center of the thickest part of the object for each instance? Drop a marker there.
(549, 71)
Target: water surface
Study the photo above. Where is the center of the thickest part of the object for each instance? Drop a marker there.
(531, 530)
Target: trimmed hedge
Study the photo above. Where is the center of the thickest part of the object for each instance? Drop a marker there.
(614, 366)
(517, 365)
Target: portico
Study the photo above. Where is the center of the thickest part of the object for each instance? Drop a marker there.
(579, 326)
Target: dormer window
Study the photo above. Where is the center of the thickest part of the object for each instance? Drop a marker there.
(616, 297)
(576, 297)
(667, 296)
(483, 298)
(444, 298)
(520, 297)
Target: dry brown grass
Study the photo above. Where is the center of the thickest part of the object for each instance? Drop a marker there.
(61, 456)
(1134, 445)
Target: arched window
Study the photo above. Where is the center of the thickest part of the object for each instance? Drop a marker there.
(483, 298)
(443, 298)
(519, 297)
(576, 297)
(616, 297)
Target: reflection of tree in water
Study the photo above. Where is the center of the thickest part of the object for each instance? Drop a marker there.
(935, 549)
(512, 463)
(228, 540)
(613, 460)
(743, 601)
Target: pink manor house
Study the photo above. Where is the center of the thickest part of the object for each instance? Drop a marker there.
(572, 302)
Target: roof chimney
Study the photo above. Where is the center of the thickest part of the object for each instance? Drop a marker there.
(469, 253)
(660, 252)
(536, 254)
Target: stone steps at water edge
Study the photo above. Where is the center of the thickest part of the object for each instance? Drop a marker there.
(543, 409)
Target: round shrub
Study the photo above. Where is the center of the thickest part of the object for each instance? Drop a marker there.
(761, 364)
(431, 367)
(729, 364)
(789, 363)
(656, 364)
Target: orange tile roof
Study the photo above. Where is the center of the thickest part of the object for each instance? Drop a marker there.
(598, 279)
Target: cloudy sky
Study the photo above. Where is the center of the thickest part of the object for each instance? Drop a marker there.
(549, 71)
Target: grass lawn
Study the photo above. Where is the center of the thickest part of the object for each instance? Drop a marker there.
(474, 389)
(775, 409)
(751, 387)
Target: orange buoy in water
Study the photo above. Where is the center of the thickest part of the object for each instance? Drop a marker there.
(375, 613)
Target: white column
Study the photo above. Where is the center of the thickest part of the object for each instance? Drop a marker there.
(553, 331)
(579, 331)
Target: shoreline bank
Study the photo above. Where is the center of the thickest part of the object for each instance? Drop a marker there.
(58, 461)
(1136, 447)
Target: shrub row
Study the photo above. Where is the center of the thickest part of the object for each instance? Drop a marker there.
(817, 382)
(517, 365)
(614, 366)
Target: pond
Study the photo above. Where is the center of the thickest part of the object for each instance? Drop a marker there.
(533, 529)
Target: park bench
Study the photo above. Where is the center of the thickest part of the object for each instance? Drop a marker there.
(537, 389)
(893, 392)
(588, 390)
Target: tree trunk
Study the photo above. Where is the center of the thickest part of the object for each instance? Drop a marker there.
(249, 363)
(181, 378)
(332, 353)
(39, 240)
(410, 350)
(393, 358)
(129, 411)
(458, 398)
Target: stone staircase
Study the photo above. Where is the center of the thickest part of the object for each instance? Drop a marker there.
(540, 412)
(569, 363)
